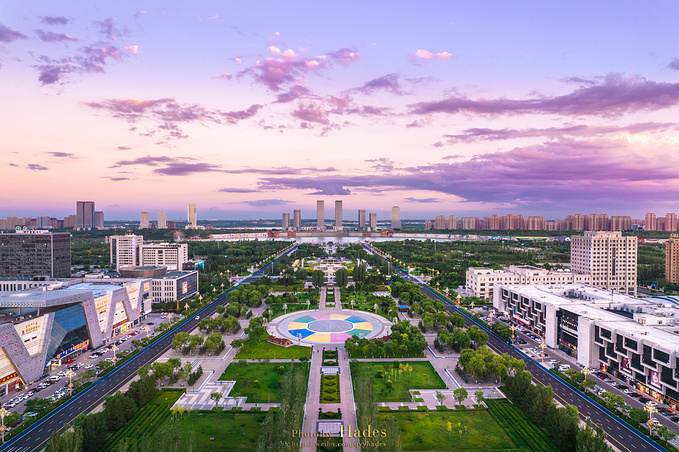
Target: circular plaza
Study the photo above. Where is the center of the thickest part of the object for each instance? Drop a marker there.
(330, 327)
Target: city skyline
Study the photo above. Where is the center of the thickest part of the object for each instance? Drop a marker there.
(252, 110)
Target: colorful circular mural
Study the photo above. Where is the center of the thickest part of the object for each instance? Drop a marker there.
(329, 327)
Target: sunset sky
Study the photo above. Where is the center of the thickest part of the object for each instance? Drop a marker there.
(250, 109)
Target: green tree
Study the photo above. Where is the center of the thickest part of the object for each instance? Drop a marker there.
(317, 278)
(93, 427)
(69, 441)
(342, 277)
(478, 395)
(638, 415)
(460, 395)
(360, 272)
(118, 409)
(142, 390)
(592, 438)
(440, 397)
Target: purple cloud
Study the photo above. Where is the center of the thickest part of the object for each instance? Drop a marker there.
(430, 56)
(674, 64)
(423, 200)
(382, 164)
(36, 167)
(54, 20)
(237, 190)
(233, 117)
(344, 56)
(185, 169)
(267, 202)
(294, 93)
(148, 161)
(124, 148)
(118, 179)
(13, 164)
(62, 155)
(91, 60)
(613, 96)
(109, 29)
(311, 113)
(48, 36)
(9, 35)
(387, 82)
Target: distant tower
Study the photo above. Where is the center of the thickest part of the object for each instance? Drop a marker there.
(297, 219)
(162, 220)
(320, 215)
(361, 220)
(286, 221)
(373, 221)
(85, 214)
(338, 215)
(672, 259)
(144, 220)
(651, 222)
(396, 217)
(99, 220)
(193, 216)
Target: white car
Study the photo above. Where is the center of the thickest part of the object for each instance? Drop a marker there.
(564, 367)
(89, 366)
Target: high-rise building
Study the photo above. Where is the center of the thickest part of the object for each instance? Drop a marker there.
(193, 216)
(162, 220)
(125, 250)
(361, 220)
(85, 214)
(469, 222)
(99, 220)
(320, 215)
(29, 253)
(609, 257)
(171, 255)
(286, 221)
(396, 217)
(452, 222)
(440, 222)
(621, 223)
(536, 223)
(650, 223)
(672, 259)
(338, 215)
(297, 219)
(428, 225)
(144, 220)
(494, 222)
(373, 221)
(671, 222)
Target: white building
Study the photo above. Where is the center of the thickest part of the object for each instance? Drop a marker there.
(395, 217)
(174, 286)
(338, 215)
(609, 257)
(125, 250)
(481, 280)
(171, 255)
(144, 222)
(193, 217)
(162, 220)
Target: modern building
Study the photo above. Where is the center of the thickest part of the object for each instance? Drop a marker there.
(162, 220)
(286, 221)
(469, 223)
(27, 253)
(171, 255)
(373, 221)
(361, 220)
(174, 286)
(320, 215)
(125, 250)
(396, 217)
(651, 222)
(621, 223)
(634, 339)
(482, 280)
(609, 257)
(672, 259)
(192, 216)
(144, 222)
(99, 220)
(297, 219)
(452, 222)
(85, 214)
(44, 326)
(338, 215)
(671, 222)
(440, 222)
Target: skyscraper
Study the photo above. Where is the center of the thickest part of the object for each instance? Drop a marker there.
(320, 215)
(99, 220)
(650, 223)
(361, 220)
(144, 220)
(672, 259)
(452, 222)
(85, 214)
(30, 253)
(125, 250)
(373, 221)
(297, 219)
(286, 221)
(193, 216)
(609, 257)
(440, 222)
(671, 222)
(396, 217)
(338, 215)
(162, 220)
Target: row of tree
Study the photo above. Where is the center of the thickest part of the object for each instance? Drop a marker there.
(483, 363)
(405, 340)
(187, 343)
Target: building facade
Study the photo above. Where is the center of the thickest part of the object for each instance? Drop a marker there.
(144, 222)
(396, 217)
(338, 215)
(373, 221)
(175, 286)
(297, 219)
(320, 215)
(609, 257)
(672, 259)
(29, 253)
(162, 220)
(171, 255)
(125, 250)
(192, 216)
(286, 221)
(85, 214)
(361, 220)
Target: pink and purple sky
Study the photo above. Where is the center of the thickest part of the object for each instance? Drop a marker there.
(250, 109)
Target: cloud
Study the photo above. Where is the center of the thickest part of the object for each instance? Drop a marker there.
(430, 56)
(185, 169)
(62, 155)
(237, 190)
(54, 20)
(266, 202)
(9, 35)
(421, 122)
(287, 67)
(581, 130)
(674, 64)
(148, 161)
(118, 179)
(311, 113)
(109, 29)
(613, 96)
(382, 164)
(233, 117)
(294, 93)
(92, 59)
(124, 148)
(36, 167)
(225, 75)
(48, 36)
(387, 82)
(423, 200)
(13, 164)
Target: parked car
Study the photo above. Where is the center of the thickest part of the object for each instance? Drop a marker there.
(674, 419)
(634, 394)
(644, 400)
(564, 367)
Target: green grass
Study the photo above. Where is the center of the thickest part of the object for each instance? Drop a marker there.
(522, 430)
(422, 376)
(331, 444)
(266, 350)
(427, 431)
(232, 431)
(330, 389)
(259, 382)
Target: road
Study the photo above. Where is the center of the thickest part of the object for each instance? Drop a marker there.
(36, 436)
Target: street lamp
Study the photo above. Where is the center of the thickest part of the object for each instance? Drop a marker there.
(490, 317)
(459, 298)
(186, 306)
(513, 328)
(115, 358)
(70, 374)
(651, 410)
(542, 346)
(147, 329)
(3, 413)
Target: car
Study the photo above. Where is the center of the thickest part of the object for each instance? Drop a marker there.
(30, 414)
(653, 422)
(674, 419)
(634, 394)
(564, 367)
(197, 317)
(608, 380)
(89, 366)
(644, 400)
(623, 388)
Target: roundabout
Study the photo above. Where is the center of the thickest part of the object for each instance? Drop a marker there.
(334, 327)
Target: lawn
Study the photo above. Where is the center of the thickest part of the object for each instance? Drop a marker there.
(259, 382)
(519, 427)
(427, 431)
(266, 350)
(330, 389)
(232, 431)
(422, 376)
